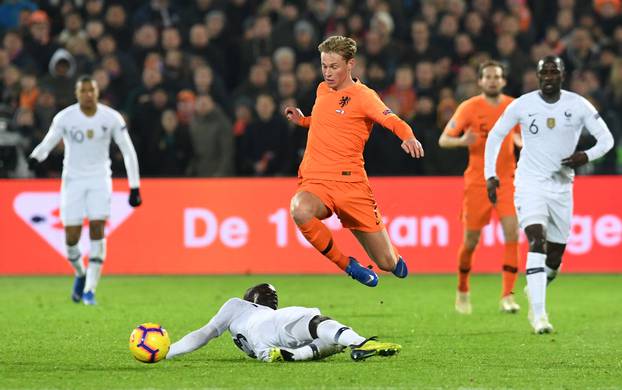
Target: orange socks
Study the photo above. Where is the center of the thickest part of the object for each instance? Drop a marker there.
(464, 268)
(321, 238)
(510, 267)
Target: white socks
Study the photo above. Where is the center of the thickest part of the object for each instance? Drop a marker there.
(317, 349)
(536, 283)
(97, 256)
(75, 259)
(331, 331)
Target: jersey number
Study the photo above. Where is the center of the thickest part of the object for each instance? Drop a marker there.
(533, 128)
(241, 342)
(76, 136)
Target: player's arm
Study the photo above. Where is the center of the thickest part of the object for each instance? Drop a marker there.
(53, 137)
(123, 141)
(200, 337)
(500, 130)
(293, 114)
(454, 135)
(598, 128)
(375, 109)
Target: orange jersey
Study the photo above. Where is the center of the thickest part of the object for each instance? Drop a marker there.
(340, 125)
(478, 116)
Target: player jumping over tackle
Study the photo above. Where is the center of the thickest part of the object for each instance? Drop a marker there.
(332, 178)
(269, 334)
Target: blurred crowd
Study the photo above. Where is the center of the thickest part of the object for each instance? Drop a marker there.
(202, 83)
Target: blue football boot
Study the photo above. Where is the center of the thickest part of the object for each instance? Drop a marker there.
(367, 276)
(78, 288)
(400, 270)
(89, 298)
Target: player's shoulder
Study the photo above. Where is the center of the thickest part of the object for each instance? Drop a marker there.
(359, 88)
(507, 99)
(107, 110)
(235, 303)
(473, 101)
(528, 97)
(68, 111)
(572, 97)
(109, 113)
(322, 88)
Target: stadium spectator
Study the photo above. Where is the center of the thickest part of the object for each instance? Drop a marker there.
(176, 38)
(212, 137)
(170, 149)
(265, 142)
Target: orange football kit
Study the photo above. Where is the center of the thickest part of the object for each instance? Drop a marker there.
(479, 116)
(332, 167)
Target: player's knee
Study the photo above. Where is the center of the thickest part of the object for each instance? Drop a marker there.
(553, 261)
(470, 243)
(537, 244)
(72, 238)
(315, 322)
(300, 212)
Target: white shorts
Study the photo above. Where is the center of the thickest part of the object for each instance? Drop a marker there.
(540, 206)
(80, 198)
(287, 328)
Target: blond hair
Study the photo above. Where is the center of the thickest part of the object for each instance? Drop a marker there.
(344, 46)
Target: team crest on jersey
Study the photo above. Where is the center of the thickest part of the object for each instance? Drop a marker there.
(104, 129)
(344, 101)
(550, 123)
(90, 133)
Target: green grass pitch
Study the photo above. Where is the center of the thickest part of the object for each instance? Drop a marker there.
(49, 342)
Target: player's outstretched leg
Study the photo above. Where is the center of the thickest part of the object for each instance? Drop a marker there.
(400, 270)
(316, 349)
(366, 276)
(372, 347)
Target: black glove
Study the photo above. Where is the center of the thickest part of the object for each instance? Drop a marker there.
(135, 199)
(492, 183)
(32, 163)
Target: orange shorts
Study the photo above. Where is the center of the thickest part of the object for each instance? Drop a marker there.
(354, 203)
(477, 209)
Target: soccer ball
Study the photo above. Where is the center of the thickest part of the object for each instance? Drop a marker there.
(149, 342)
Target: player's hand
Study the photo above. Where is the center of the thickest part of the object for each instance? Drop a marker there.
(468, 138)
(413, 147)
(135, 199)
(492, 183)
(293, 114)
(576, 160)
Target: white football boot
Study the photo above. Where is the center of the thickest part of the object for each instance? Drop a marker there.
(508, 304)
(463, 302)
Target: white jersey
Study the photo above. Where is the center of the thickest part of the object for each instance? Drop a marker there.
(87, 143)
(550, 133)
(254, 328)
